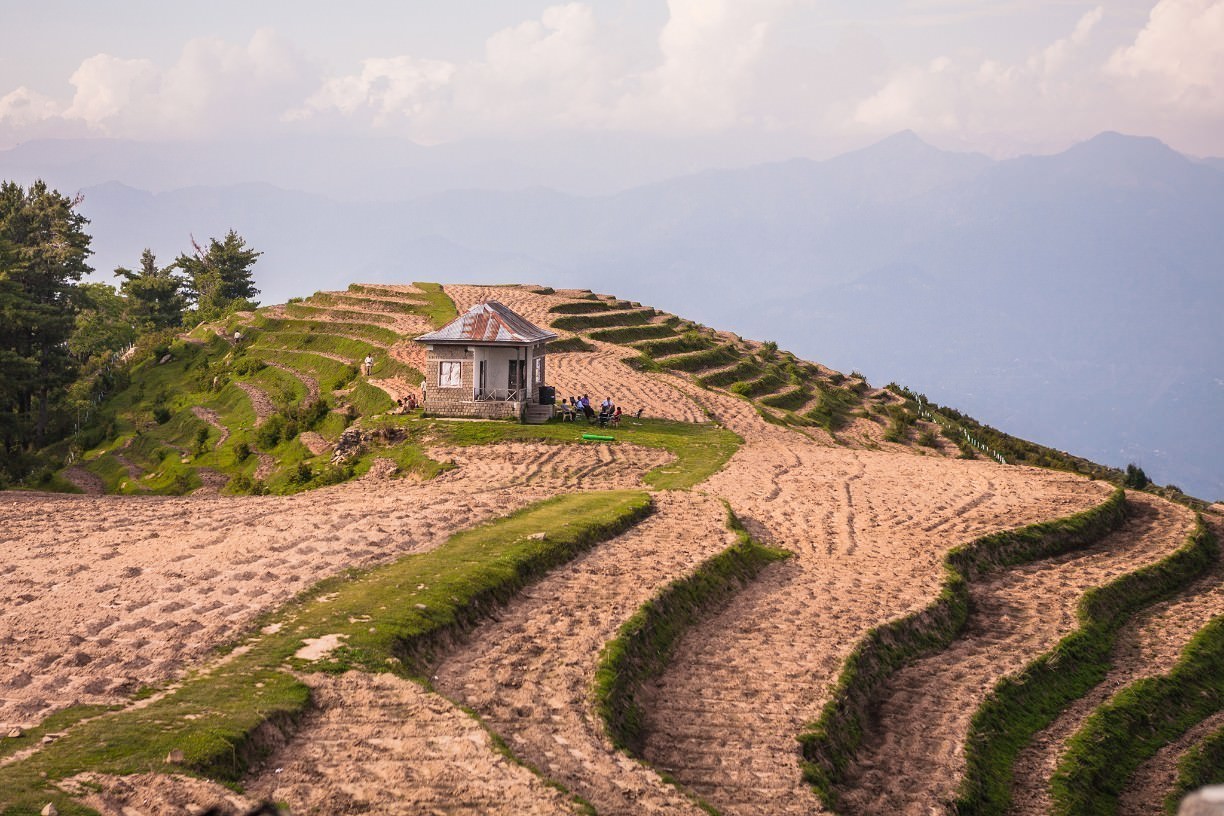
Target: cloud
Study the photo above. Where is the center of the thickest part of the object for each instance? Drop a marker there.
(1178, 55)
(214, 88)
(967, 97)
(23, 107)
(106, 86)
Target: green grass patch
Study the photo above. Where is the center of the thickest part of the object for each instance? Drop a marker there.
(1139, 720)
(644, 644)
(767, 383)
(702, 360)
(577, 323)
(346, 347)
(680, 344)
(369, 400)
(306, 312)
(791, 400)
(832, 412)
(378, 335)
(330, 374)
(701, 449)
(829, 744)
(439, 308)
(579, 307)
(747, 369)
(631, 334)
(574, 343)
(1202, 765)
(393, 618)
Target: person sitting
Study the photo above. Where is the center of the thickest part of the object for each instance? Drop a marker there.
(567, 411)
(615, 419)
(585, 403)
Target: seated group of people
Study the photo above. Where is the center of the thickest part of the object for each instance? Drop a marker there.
(406, 404)
(609, 413)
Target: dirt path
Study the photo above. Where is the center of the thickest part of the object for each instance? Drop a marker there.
(100, 595)
(1149, 645)
(724, 717)
(529, 674)
(914, 756)
(87, 482)
(260, 402)
(212, 418)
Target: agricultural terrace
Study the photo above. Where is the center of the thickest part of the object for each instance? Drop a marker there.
(781, 591)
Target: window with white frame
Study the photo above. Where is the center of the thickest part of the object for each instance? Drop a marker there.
(450, 374)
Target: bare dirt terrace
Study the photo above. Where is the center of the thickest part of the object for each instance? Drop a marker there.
(102, 595)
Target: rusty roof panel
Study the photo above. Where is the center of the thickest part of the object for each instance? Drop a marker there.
(489, 322)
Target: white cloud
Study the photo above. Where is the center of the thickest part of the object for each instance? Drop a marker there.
(106, 86)
(967, 97)
(1179, 55)
(23, 107)
(214, 88)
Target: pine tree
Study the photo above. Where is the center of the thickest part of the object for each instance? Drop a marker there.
(43, 256)
(155, 298)
(219, 278)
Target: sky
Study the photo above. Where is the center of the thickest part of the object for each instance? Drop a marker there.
(812, 78)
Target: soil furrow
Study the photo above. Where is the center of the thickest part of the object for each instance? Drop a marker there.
(529, 674)
(724, 717)
(913, 757)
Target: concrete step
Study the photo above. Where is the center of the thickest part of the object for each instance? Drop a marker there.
(538, 414)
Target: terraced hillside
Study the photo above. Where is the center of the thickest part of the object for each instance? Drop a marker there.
(780, 591)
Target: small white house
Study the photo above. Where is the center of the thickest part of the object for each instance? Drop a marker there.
(488, 362)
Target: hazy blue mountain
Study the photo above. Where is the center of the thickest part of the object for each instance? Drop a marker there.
(1072, 298)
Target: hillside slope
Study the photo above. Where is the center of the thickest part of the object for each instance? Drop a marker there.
(434, 628)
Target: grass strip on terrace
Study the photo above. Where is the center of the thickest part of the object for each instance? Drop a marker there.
(644, 644)
(701, 449)
(1023, 704)
(1202, 765)
(388, 618)
(829, 744)
(631, 334)
(576, 323)
(439, 307)
(702, 360)
(308, 312)
(379, 335)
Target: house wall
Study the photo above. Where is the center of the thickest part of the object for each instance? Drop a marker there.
(458, 401)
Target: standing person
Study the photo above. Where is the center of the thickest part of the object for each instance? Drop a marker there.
(368, 364)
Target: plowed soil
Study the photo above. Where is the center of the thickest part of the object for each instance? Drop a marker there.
(99, 595)
(913, 757)
(869, 530)
(529, 674)
(103, 594)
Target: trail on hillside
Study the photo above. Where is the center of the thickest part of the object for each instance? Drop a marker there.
(529, 674)
(261, 403)
(913, 755)
(724, 717)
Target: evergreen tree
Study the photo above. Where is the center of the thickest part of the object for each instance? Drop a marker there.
(219, 278)
(43, 247)
(155, 298)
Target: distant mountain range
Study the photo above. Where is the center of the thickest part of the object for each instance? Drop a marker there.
(1071, 299)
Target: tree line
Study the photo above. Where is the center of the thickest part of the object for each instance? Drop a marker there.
(60, 337)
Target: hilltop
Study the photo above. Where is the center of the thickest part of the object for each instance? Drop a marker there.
(265, 413)
(781, 590)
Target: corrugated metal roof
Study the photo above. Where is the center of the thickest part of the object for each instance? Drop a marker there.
(488, 322)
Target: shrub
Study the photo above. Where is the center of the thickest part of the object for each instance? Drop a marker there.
(242, 452)
(248, 365)
(302, 474)
(1135, 477)
(161, 414)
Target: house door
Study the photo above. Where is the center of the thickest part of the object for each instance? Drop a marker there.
(482, 377)
(518, 375)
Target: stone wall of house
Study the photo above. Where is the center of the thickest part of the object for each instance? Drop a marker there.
(458, 401)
